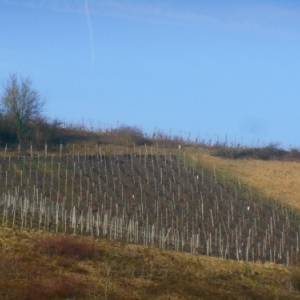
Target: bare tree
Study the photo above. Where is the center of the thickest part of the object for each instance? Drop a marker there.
(21, 103)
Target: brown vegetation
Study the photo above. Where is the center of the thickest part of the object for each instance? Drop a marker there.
(114, 270)
(276, 179)
(154, 194)
(271, 152)
(146, 196)
(67, 247)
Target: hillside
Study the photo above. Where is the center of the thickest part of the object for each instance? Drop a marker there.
(37, 265)
(275, 178)
(168, 200)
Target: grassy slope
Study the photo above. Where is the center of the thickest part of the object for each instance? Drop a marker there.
(276, 179)
(38, 265)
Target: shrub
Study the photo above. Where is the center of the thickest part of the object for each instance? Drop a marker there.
(68, 247)
(266, 153)
(7, 133)
(127, 135)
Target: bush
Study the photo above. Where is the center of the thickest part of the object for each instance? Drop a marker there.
(7, 133)
(266, 153)
(38, 132)
(42, 131)
(68, 247)
(126, 135)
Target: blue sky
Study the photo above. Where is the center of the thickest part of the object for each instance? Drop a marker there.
(210, 69)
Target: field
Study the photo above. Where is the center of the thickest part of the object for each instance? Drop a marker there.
(37, 265)
(154, 219)
(276, 179)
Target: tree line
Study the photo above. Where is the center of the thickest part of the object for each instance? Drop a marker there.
(22, 119)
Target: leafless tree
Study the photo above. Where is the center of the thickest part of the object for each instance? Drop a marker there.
(21, 103)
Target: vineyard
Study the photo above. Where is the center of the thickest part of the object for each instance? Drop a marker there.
(144, 195)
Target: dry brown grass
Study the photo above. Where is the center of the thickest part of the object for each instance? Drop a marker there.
(277, 179)
(36, 265)
(27, 274)
(114, 270)
(67, 246)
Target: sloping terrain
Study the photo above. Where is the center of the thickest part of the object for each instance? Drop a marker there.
(146, 196)
(38, 265)
(159, 198)
(277, 179)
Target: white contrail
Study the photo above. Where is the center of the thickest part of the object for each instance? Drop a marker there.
(87, 13)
